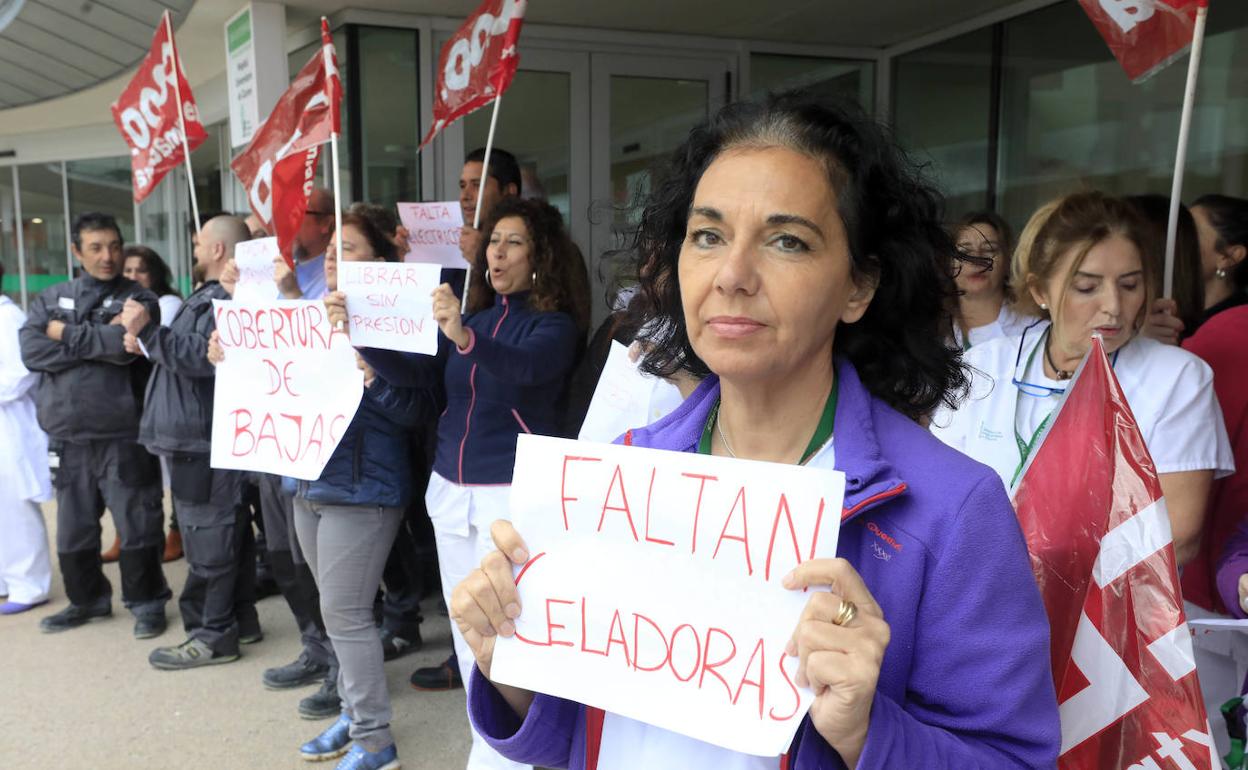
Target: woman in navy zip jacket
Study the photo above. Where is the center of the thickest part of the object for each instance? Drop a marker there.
(504, 366)
(346, 522)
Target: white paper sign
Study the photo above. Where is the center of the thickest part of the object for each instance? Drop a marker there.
(255, 270)
(433, 232)
(390, 304)
(286, 391)
(653, 591)
(625, 398)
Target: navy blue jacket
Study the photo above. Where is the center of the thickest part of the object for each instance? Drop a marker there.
(508, 381)
(372, 464)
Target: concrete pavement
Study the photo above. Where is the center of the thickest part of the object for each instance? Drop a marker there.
(87, 699)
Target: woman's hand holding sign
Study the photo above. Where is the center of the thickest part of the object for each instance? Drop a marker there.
(841, 640)
(336, 309)
(446, 311)
(486, 604)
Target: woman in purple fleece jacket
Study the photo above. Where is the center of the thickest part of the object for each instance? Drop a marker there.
(797, 263)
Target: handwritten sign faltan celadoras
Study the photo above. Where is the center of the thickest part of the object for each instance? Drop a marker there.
(653, 588)
(433, 232)
(286, 391)
(390, 304)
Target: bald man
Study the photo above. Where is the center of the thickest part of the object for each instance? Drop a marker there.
(218, 601)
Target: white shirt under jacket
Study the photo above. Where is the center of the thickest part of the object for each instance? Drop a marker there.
(1009, 323)
(1169, 390)
(23, 444)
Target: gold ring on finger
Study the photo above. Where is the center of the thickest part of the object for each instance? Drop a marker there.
(848, 612)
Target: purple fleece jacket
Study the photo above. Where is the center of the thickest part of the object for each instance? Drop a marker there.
(1231, 564)
(965, 681)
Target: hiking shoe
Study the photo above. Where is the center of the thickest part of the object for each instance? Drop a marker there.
(149, 626)
(438, 678)
(73, 616)
(192, 653)
(299, 673)
(358, 758)
(394, 646)
(330, 744)
(323, 703)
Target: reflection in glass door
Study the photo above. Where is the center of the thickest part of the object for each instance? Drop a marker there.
(643, 108)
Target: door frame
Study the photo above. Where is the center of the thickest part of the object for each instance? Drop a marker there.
(718, 70)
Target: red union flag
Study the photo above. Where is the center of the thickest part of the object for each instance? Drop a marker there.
(278, 167)
(1144, 35)
(148, 117)
(477, 63)
(1096, 525)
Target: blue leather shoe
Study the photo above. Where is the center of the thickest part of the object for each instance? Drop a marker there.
(359, 759)
(330, 744)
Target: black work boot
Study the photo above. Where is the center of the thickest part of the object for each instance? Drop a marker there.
(322, 704)
(76, 615)
(302, 671)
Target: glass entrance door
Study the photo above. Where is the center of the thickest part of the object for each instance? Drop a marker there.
(642, 109)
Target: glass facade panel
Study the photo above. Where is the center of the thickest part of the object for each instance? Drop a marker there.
(389, 115)
(942, 113)
(103, 185)
(1071, 119)
(206, 165)
(650, 117)
(772, 73)
(11, 285)
(43, 225)
(540, 139)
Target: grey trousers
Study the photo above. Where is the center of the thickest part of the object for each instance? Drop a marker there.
(213, 537)
(291, 572)
(347, 546)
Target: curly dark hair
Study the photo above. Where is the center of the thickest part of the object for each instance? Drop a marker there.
(162, 276)
(562, 282)
(892, 218)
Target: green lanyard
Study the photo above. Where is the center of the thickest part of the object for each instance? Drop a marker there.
(823, 431)
(1025, 448)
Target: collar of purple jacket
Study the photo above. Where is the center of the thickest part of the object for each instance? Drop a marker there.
(869, 478)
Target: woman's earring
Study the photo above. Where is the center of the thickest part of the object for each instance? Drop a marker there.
(488, 282)
(1043, 306)
(534, 277)
(1220, 273)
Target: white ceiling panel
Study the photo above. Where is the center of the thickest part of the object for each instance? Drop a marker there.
(50, 48)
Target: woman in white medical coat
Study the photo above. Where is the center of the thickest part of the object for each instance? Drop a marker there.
(25, 569)
(1079, 268)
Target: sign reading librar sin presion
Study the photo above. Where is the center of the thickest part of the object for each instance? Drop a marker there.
(389, 304)
(653, 590)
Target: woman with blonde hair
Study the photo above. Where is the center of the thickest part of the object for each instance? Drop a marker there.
(1081, 266)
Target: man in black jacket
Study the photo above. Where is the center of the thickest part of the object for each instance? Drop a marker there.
(219, 598)
(89, 400)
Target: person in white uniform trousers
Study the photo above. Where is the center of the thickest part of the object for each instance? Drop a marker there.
(985, 306)
(25, 481)
(1079, 267)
